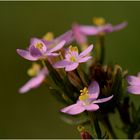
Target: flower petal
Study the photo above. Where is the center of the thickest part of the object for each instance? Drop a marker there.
(32, 83)
(103, 99)
(93, 90)
(84, 59)
(86, 51)
(35, 52)
(61, 64)
(58, 46)
(133, 80)
(25, 54)
(91, 107)
(52, 54)
(133, 89)
(79, 36)
(73, 109)
(67, 36)
(120, 26)
(89, 30)
(71, 67)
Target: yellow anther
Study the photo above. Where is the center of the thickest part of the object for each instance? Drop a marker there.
(39, 45)
(34, 70)
(73, 48)
(72, 59)
(98, 21)
(48, 36)
(84, 94)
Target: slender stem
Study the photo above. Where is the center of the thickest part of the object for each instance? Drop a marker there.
(81, 76)
(109, 127)
(100, 48)
(95, 124)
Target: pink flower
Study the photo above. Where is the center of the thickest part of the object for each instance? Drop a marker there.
(40, 49)
(82, 31)
(87, 100)
(134, 82)
(72, 58)
(35, 81)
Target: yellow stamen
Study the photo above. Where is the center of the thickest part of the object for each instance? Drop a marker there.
(98, 21)
(49, 36)
(73, 48)
(72, 58)
(39, 45)
(33, 71)
(84, 94)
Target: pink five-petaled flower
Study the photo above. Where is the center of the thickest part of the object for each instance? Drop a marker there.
(39, 49)
(82, 31)
(87, 100)
(38, 77)
(134, 82)
(72, 58)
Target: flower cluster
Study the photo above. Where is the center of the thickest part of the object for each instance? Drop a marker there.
(78, 77)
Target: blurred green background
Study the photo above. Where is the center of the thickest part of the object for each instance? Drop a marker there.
(35, 114)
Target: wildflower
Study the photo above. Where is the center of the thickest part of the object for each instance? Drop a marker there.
(87, 100)
(38, 77)
(39, 49)
(82, 31)
(72, 58)
(134, 82)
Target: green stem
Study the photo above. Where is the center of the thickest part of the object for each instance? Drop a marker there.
(108, 125)
(82, 77)
(100, 48)
(95, 124)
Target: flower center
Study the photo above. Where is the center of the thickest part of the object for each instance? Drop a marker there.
(72, 54)
(73, 59)
(98, 21)
(84, 96)
(34, 70)
(39, 45)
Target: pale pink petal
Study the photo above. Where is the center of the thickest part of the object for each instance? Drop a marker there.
(133, 80)
(133, 89)
(103, 99)
(86, 51)
(58, 46)
(73, 109)
(93, 90)
(89, 30)
(84, 59)
(52, 54)
(91, 107)
(120, 26)
(32, 83)
(26, 55)
(79, 36)
(71, 67)
(67, 36)
(61, 64)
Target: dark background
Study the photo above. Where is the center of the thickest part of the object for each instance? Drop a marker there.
(35, 114)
